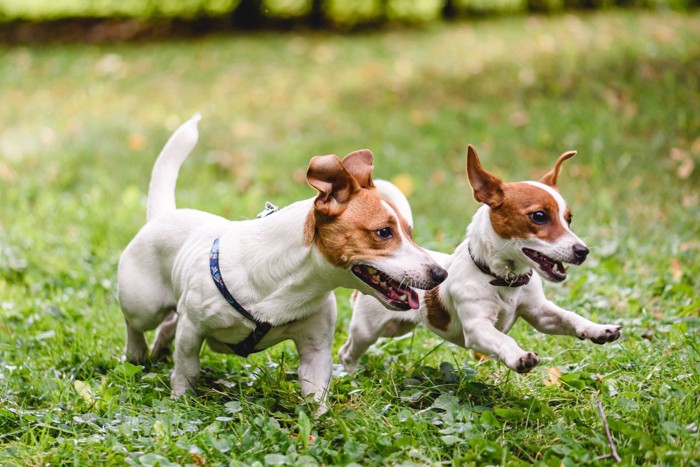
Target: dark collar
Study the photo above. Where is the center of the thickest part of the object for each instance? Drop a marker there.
(247, 345)
(510, 280)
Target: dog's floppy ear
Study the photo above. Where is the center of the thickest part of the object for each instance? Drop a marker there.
(551, 177)
(487, 188)
(359, 164)
(334, 183)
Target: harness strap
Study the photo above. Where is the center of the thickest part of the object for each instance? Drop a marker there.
(510, 280)
(247, 345)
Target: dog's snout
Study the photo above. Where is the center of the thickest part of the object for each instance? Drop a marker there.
(580, 253)
(438, 274)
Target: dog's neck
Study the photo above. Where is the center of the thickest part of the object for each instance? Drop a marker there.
(280, 270)
(485, 246)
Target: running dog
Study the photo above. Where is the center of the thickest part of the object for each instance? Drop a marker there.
(245, 286)
(521, 227)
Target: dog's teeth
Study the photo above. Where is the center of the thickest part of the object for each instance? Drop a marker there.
(403, 297)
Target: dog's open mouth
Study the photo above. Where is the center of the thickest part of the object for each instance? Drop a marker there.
(396, 295)
(551, 269)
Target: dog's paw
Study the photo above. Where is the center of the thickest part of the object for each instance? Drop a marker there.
(602, 333)
(526, 362)
(160, 353)
(349, 364)
(137, 356)
(179, 385)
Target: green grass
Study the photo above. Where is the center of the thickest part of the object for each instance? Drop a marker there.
(80, 127)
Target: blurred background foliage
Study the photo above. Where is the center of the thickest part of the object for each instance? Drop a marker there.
(314, 13)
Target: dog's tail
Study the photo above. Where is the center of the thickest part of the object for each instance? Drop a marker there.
(161, 192)
(393, 194)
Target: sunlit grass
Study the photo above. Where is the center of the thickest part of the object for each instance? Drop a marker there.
(79, 130)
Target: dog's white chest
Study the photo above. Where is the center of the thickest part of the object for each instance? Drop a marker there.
(506, 309)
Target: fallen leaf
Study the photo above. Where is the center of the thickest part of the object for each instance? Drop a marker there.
(689, 201)
(685, 169)
(159, 429)
(197, 456)
(479, 356)
(676, 269)
(437, 178)
(685, 160)
(677, 154)
(688, 246)
(198, 459)
(519, 119)
(6, 173)
(554, 375)
(85, 391)
(136, 142)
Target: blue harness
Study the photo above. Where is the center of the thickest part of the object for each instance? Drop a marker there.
(247, 345)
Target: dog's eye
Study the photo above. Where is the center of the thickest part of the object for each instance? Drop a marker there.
(539, 217)
(384, 233)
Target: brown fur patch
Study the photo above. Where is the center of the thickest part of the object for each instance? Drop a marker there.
(438, 317)
(511, 220)
(309, 228)
(351, 236)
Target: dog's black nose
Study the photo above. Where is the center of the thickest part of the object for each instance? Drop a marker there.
(438, 274)
(580, 253)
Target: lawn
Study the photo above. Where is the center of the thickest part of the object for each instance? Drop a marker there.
(81, 125)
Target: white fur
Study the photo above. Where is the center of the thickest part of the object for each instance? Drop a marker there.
(392, 193)
(165, 282)
(480, 314)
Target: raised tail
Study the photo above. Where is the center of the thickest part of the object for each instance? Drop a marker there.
(161, 192)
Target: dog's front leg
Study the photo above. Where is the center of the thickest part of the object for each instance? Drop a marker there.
(552, 319)
(188, 343)
(314, 344)
(481, 335)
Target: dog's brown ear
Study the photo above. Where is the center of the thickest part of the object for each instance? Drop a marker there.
(551, 177)
(359, 164)
(334, 183)
(487, 188)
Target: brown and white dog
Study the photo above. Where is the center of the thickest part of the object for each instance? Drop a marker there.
(245, 286)
(521, 227)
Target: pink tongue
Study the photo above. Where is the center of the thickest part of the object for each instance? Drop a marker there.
(413, 300)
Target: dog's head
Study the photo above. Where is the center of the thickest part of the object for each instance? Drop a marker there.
(532, 216)
(359, 232)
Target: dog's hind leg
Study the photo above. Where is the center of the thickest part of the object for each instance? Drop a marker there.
(144, 296)
(136, 346)
(164, 336)
(370, 321)
(188, 343)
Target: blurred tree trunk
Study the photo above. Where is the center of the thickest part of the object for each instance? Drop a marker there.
(317, 16)
(383, 11)
(248, 14)
(581, 4)
(449, 10)
(536, 6)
